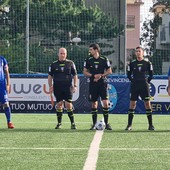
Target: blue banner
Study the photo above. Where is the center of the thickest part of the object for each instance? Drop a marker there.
(30, 94)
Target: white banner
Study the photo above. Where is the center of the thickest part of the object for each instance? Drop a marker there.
(159, 90)
(32, 89)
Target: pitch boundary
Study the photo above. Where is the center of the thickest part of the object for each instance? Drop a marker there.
(94, 147)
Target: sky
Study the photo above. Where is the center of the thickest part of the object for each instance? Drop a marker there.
(145, 10)
(145, 14)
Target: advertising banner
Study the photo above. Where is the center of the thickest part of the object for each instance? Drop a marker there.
(30, 94)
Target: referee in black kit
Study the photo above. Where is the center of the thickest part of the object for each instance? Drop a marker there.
(60, 81)
(140, 73)
(97, 67)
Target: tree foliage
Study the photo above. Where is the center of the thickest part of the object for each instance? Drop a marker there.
(163, 2)
(60, 17)
(150, 32)
(150, 28)
(51, 20)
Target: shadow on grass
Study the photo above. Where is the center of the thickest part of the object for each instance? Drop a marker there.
(31, 130)
(139, 131)
(50, 130)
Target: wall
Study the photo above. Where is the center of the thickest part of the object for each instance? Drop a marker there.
(133, 35)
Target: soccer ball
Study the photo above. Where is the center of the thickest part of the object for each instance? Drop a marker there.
(111, 104)
(100, 125)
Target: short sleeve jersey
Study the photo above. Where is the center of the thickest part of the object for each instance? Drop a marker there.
(62, 71)
(3, 67)
(97, 66)
(138, 70)
(169, 72)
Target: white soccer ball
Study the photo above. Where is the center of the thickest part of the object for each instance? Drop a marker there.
(110, 104)
(100, 125)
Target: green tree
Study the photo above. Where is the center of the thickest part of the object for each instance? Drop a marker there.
(3, 19)
(14, 55)
(150, 28)
(3, 3)
(55, 20)
(150, 32)
(64, 19)
(163, 2)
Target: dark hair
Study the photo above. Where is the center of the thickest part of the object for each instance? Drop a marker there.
(95, 47)
(139, 48)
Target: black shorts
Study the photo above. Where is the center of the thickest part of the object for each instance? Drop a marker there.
(139, 89)
(96, 90)
(63, 92)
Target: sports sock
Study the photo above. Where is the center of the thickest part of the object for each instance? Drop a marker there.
(130, 116)
(70, 115)
(94, 115)
(8, 113)
(149, 116)
(106, 115)
(59, 115)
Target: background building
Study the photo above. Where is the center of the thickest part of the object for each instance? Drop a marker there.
(32, 36)
(116, 9)
(133, 26)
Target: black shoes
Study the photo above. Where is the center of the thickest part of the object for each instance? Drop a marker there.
(129, 127)
(108, 127)
(151, 127)
(58, 126)
(93, 127)
(73, 126)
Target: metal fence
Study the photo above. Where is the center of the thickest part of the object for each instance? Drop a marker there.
(32, 31)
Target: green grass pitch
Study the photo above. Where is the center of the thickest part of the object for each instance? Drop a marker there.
(34, 144)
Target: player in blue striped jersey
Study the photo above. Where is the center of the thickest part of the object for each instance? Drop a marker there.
(4, 90)
(169, 81)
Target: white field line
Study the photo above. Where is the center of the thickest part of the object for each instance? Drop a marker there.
(103, 149)
(136, 149)
(91, 160)
(15, 148)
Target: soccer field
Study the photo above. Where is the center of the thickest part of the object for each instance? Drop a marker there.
(34, 144)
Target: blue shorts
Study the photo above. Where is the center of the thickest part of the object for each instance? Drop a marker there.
(3, 96)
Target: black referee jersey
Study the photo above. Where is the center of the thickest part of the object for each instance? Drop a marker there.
(96, 66)
(139, 71)
(62, 71)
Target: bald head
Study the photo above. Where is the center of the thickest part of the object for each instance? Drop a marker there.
(62, 54)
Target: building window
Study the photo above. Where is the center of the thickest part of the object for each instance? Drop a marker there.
(163, 33)
(130, 21)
